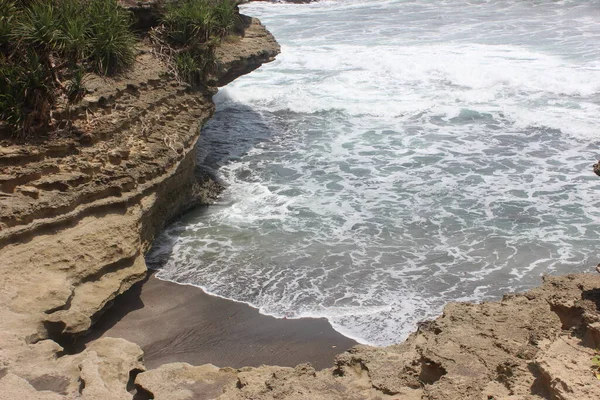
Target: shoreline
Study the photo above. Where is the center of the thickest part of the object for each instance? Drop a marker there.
(359, 341)
(68, 256)
(182, 323)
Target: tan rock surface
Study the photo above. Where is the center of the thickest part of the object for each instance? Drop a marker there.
(235, 58)
(565, 368)
(78, 212)
(179, 381)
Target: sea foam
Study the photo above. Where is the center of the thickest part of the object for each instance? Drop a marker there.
(397, 156)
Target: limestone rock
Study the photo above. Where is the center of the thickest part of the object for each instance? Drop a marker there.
(566, 370)
(13, 387)
(107, 367)
(32, 192)
(180, 381)
(77, 215)
(244, 55)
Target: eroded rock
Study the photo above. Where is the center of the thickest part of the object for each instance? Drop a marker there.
(78, 213)
(180, 381)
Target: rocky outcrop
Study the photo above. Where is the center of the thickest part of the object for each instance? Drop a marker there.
(79, 212)
(236, 59)
(102, 371)
(535, 345)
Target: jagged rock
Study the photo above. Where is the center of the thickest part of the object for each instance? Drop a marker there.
(77, 215)
(597, 168)
(180, 381)
(566, 370)
(107, 368)
(117, 155)
(32, 192)
(13, 387)
(103, 370)
(234, 59)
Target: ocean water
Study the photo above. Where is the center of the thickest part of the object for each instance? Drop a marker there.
(399, 155)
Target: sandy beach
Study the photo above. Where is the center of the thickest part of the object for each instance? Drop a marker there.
(179, 323)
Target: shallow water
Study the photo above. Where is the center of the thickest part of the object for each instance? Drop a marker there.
(399, 155)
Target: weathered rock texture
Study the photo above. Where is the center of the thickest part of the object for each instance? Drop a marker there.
(78, 213)
(536, 345)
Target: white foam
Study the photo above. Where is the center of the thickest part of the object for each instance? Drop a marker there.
(397, 156)
(430, 78)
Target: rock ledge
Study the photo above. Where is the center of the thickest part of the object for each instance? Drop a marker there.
(77, 215)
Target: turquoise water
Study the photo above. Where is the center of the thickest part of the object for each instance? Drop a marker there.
(399, 155)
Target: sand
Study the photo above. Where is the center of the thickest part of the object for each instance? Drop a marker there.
(180, 323)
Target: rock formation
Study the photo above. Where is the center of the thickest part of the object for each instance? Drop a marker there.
(78, 214)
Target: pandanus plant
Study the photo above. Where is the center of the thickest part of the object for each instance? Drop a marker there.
(47, 46)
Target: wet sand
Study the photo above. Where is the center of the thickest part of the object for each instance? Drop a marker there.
(179, 323)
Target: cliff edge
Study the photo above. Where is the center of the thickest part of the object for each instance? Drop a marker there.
(78, 213)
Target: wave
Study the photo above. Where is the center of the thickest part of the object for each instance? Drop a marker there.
(398, 156)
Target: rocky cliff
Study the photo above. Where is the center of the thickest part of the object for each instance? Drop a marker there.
(78, 213)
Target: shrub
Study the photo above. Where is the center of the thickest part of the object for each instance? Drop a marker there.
(596, 364)
(47, 46)
(76, 30)
(187, 21)
(225, 16)
(112, 43)
(39, 27)
(194, 28)
(199, 20)
(187, 67)
(27, 89)
(75, 89)
(8, 12)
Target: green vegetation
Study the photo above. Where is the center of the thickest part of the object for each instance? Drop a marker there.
(46, 47)
(198, 21)
(111, 40)
(596, 364)
(190, 31)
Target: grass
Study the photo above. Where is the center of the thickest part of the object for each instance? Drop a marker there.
(187, 66)
(225, 17)
(596, 364)
(192, 29)
(191, 21)
(112, 43)
(8, 11)
(47, 47)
